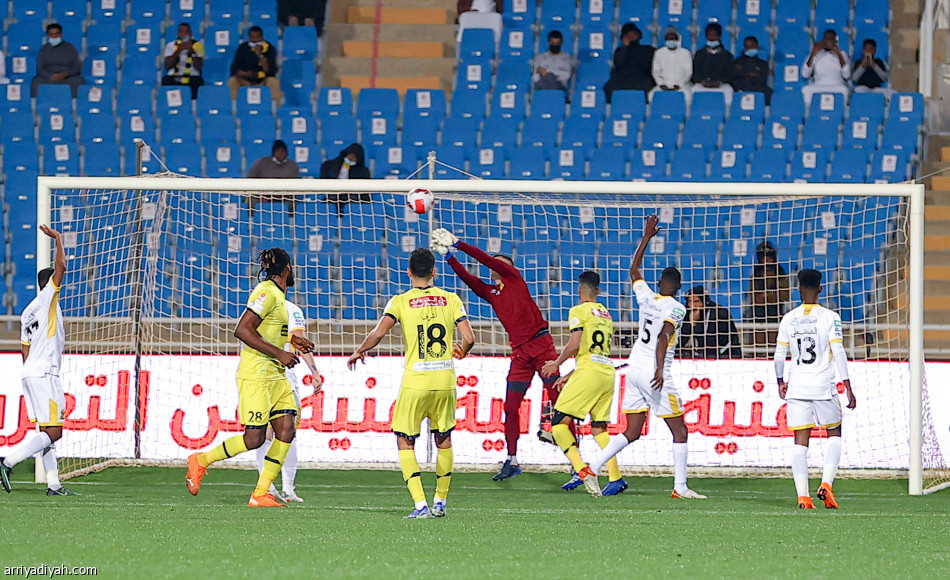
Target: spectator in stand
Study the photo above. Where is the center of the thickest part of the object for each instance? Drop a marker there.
(553, 69)
(3, 69)
(751, 72)
(827, 68)
(672, 65)
(633, 64)
(277, 166)
(57, 62)
(870, 73)
(254, 65)
(713, 65)
(302, 12)
(768, 292)
(708, 331)
(184, 59)
(482, 15)
(349, 164)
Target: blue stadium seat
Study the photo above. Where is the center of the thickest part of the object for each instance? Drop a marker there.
(394, 162)
(460, 132)
(215, 72)
(499, 133)
(517, 45)
(14, 99)
(223, 160)
(900, 135)
(21, 68)
(740, 134)
(378, 103)
(792, 15)
(714, 11)
(178, 129)
(820, 133)
(769, 165)
(659, 133)
(100, 69)
(94, 100)
(214, 101)
(377, 131)
(779, 134)
(451, 162)
(558, 14)
(668, 105)
(747, 105)
(135, 100)
(513, 76)
(628, 105)
(57, 128)
(787, 107)
(487, 163)
(146, 11)
(568, 164)
(701, 133)
(596, 45)
(469, 104)
(334, 101)
(640, 13)
(580, 133)
(540, 132)
(259, 129)
(425, 103)
(477, 46)
(253, 101)
(849, 166)
(60, 159)
(136, 126)
(866, 107)
(872, 13)
(509, 104)
(861, 135)
(588, 104)
(173, 101)
(831, 14)
(300, 42)
(96, 127)
(70, 13)
(15, 129)
(648, 164)
(548, 104)
(263, 15)
(710, 105)
(827, 106)
(25, 40)
(138, 68)
(809, 166)
(621, 133)
(143, 38)
(337, 132)
(678, 14)
(101, 159)
(597, 13)
(220, 41)
(906, 107)
(688, 165)
(298, 80)
(531, 164)
(54, 98)
(608, 164)
(473, 77)
(729, 165)
(592, 76)
(422, 133)
(791, 48)
(185, 10)
(184, 158)
(889, 167)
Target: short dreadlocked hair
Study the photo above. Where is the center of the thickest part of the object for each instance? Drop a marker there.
(273, 262)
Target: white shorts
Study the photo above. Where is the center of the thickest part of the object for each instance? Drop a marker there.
(640, 396)
(805, 413)
(45, 400)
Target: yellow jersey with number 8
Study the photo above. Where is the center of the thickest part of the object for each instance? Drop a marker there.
(596, 326)
(268, 303)
(428, 317)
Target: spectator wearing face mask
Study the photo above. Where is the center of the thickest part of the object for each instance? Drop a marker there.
(712, 65)
(349, 164)
(277, 166)
(751, 73)
(57, 62)
(254, 65)
(672, 65)
(632, 63)
(827, 68)
(184, 59)
(553, 69)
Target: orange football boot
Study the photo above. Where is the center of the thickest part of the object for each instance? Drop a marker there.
(826, 495)
(196, 472)
(805, 503)
(266, 500)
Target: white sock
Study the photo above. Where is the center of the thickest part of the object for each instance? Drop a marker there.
(288, 472)
(421, 504)
(800, 469)
(261, 454)
(441, 500)
(28, 449)
(513, 459)
(679, 467)
(614, 447)
(52, 468)
(832, 459)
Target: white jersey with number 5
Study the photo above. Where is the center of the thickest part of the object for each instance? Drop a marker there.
(808, 331)
(295, 321)
(655, 310)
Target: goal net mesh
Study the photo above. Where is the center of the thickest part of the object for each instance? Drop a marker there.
(158, 278)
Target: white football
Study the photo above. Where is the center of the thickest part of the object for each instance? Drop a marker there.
(420, 200)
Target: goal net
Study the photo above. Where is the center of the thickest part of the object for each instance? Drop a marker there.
(161, 268)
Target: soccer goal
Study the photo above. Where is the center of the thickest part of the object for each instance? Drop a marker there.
(161, 268)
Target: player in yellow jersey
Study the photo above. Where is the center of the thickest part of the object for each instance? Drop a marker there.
(265, 393)
(428, 316)
(589, 387)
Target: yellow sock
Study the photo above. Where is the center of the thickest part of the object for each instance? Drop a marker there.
(412, 475)
(272, 464)
(613, 470)
(229, 448)
(443, 471)
(565, 440)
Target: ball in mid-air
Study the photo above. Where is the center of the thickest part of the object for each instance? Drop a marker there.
(420, 200)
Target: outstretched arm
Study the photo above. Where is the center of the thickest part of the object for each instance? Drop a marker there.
(371, 340)
(649, 230)
(59, 268)
(478, 287)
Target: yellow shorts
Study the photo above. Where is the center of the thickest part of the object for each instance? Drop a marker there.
(261, 400)
(587, 393)
(414, 405)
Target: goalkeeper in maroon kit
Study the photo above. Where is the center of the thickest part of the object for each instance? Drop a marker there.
(531, 343)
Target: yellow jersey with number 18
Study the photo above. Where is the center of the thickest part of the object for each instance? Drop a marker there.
(267, 302)
(428, 317)
(596, 326)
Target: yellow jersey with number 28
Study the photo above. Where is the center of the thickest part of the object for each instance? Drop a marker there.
(267, 302)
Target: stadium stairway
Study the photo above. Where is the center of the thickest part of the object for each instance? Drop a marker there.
(412, 48)
(937, 260)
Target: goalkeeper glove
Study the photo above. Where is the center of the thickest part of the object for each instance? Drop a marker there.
(444, 237)
(440, 249)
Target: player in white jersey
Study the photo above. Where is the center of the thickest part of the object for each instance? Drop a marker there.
(288, 471)
(42, 339)
(813, 335)
(649, 382)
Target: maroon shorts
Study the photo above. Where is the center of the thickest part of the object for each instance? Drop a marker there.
(528, 359)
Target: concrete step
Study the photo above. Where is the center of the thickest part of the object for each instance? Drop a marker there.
(393, 49)
(339, 32)
(401, 84)
(941, 182)
(936, 197)
(936, 316)
(937, 272)
(400, 15)
(337, 66)
(936, 295)
(936, 242)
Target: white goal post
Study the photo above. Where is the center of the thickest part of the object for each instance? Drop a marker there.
(659, 193)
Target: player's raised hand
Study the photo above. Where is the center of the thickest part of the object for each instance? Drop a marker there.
(438, 248)
(287, 359)
(652, 226)
(444, 237)
(783, 388)
(50, 232)
(301, 344)
(549, 369)
(657, 382)
(356, 356)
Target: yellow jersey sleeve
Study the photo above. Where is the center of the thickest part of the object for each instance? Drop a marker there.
(457, 308)
(393, 308)
(577, 317)
(262, 300)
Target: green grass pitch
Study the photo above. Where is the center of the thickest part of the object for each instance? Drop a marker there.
(141, 522)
